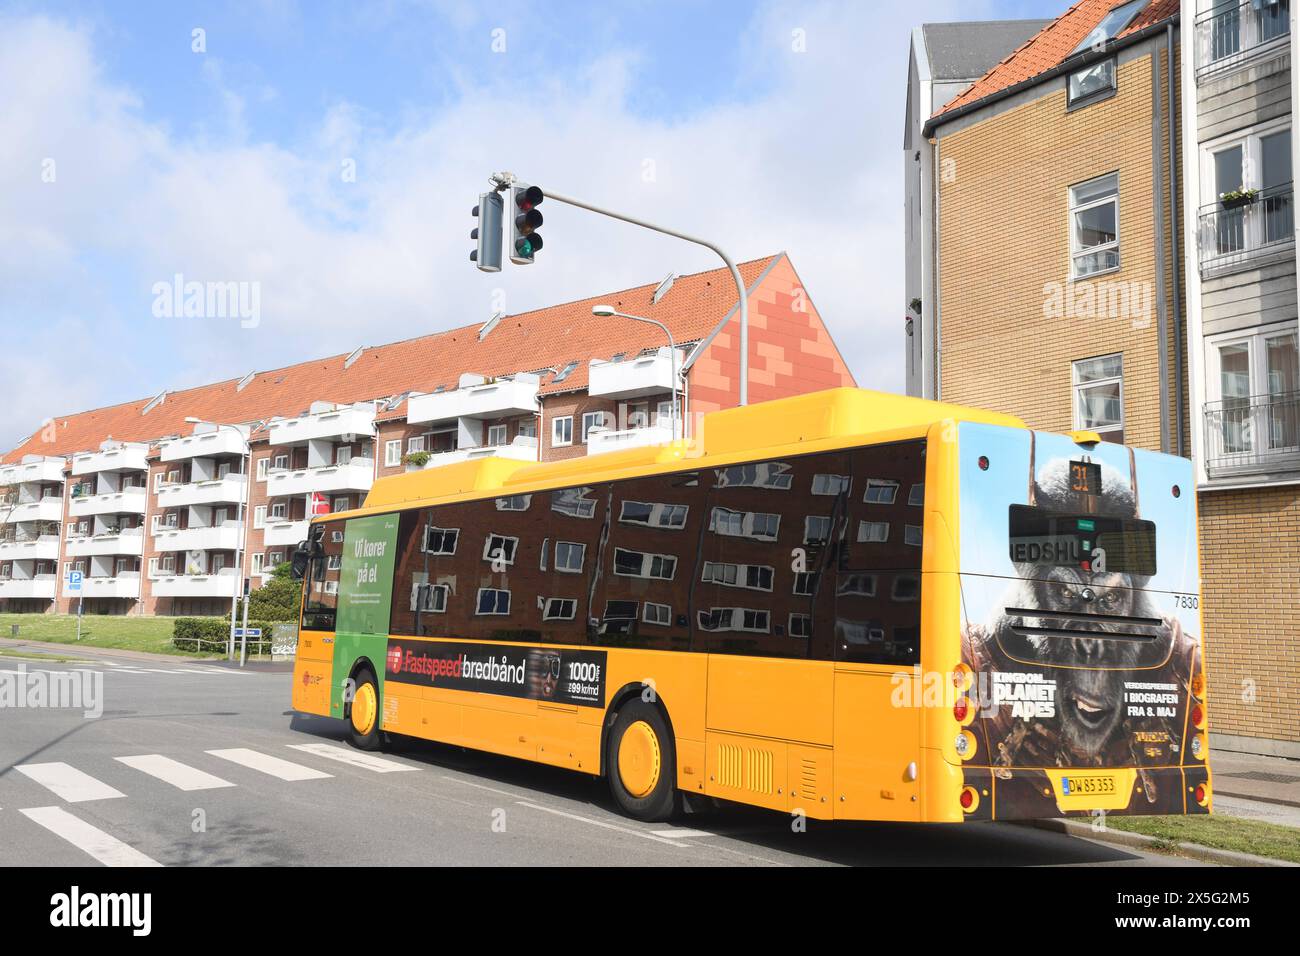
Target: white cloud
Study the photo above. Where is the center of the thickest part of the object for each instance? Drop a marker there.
(811, 166)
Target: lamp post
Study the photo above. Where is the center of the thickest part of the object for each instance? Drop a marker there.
(606, 311)
(246, 462)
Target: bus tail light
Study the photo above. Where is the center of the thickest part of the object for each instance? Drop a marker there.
(1201, 793)
(1197, 686)
(961, 709)
(1198, 716)
(969, 799)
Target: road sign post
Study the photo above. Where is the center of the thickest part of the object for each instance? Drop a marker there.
(75, 580)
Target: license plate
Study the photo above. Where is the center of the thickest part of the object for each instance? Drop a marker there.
(1085, 786)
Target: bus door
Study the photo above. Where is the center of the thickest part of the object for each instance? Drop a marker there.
(877, 630)
(770, 681)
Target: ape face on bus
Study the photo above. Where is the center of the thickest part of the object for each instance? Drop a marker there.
(1089, 672)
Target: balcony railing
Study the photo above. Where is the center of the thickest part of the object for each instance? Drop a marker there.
(1235, 236)
(1252, 435)
(1235, 31)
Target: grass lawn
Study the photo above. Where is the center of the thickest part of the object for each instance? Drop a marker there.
(97, 630)
(1220, 832)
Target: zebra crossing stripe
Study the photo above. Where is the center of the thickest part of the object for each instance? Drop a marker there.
(353, 757)
(265, 763)
(105, 848)
(179, 775)
(68, 782)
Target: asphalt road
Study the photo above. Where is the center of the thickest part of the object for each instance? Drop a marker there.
(200, 764)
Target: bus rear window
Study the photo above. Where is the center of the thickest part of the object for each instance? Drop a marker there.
(1100, 543)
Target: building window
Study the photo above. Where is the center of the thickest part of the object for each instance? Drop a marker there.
(415, 444)
(562, 430)
(831, 484)
(816, 529)
(514, 503)
(745, 524)
(393, 453)
(880, 491)
(496, 435)
(430, 597)
(1099, 396)
(912, 535)
(492, 601)
(660, 614)
(1249, 192)
(640, 564)
(499, 547)
(1094, 82)
(800, 625)
(569, 556)
(263, 466)
(653, 514)
(526, 428)
(259, 516)
(873, 532)
(559, 609)
(1256, 379)
(592, 420)
(279, 510)
(440, 540)
(258, 559)
(1094, 226)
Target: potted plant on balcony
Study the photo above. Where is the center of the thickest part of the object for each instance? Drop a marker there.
(415, 460)
(1236, 198)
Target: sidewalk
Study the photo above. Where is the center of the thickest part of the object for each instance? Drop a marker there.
(1265, 779)
(84, 652)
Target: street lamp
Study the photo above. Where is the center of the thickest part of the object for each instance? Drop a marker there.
(239, 539)
(606, 311)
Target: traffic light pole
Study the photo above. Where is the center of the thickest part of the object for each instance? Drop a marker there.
(503, 181)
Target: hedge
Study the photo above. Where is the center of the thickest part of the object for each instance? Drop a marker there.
(192, 633)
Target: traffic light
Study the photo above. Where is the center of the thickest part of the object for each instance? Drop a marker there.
(525, 220)
(487, 255)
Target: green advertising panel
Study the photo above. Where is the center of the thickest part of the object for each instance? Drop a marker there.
(365, 599)
(366, 579)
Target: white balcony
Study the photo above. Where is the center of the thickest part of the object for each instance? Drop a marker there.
(633, 378)
(521, 449)
(224, 537)
(222, 584)
(227, 490)
(487, 400)
(356, 420)
(356, 475)
(127, 501)
(44, 548)
(288, 533)
(123, 458)
(125, 585)
(43, 469)
(44, 509)
(40, 586)
(128, 542)
(601, 439)
(223, 441)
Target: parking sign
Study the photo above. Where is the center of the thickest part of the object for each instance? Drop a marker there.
(74, 582)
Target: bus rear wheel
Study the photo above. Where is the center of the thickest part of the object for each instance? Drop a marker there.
(641, 763)
(363, 713)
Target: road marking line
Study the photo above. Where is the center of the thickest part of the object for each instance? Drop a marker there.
(107, 849)
(179, 775)
(353, 757)
(68, 782)
(601, 823)
(284, 769)
(479, 786)
(684, 834)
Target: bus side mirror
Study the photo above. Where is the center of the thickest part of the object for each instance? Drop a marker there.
(301, 558)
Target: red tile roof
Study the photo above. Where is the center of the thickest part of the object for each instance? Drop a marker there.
(1052, 45)
(547, 339)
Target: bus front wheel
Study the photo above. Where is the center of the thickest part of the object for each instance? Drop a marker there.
(641, 763)
(363, 713)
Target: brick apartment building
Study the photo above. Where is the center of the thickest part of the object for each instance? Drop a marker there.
(1065, 280)
(151, 499)
(1057, 275)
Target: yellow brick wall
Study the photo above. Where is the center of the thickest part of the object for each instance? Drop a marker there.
(1004, 236)
(1251, 610)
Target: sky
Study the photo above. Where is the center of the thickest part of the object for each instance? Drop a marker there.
(327, 155)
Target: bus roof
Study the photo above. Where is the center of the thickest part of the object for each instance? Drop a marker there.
(816, 421)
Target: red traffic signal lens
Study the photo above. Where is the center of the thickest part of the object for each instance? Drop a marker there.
(527, 199)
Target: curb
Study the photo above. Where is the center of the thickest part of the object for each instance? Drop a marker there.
(1142, 841)
(84, 650)
(1220, 792)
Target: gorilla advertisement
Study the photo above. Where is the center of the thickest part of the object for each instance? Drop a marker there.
(1081, 601)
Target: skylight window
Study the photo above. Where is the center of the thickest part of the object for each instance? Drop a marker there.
(564, 372)
(1112, 24)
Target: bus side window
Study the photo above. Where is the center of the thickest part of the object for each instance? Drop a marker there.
(760, 583)
(878, 577)
(322, 588)
(644, 589)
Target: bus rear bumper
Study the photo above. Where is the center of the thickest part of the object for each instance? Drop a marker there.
(1024, 794)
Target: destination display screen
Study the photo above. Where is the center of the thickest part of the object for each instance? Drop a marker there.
(1094, 543)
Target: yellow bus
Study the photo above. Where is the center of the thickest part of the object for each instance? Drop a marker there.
(848, 604)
